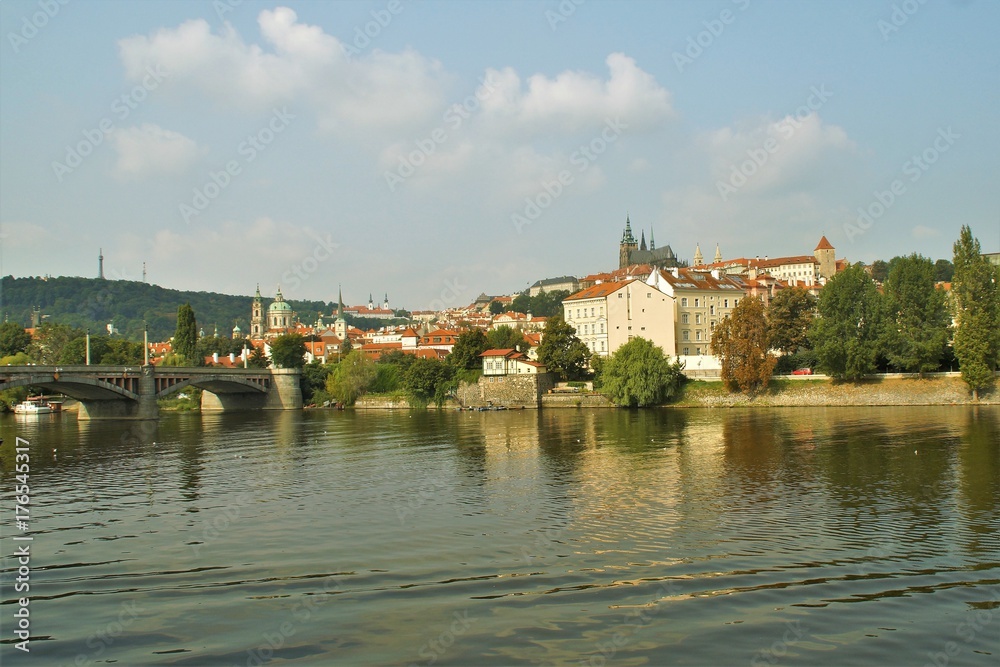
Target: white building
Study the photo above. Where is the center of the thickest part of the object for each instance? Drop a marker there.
(608, 315)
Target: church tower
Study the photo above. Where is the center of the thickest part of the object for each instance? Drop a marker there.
(698, 258)
(340, 324)
(642, 240)
(385, 302)
(627, 245)
(826, 257)
(257, 317)
(718, 254)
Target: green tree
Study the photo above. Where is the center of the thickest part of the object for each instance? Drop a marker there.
(521, 303)
(288, 351)
(944, 271)
(845, 335)
(915, 332)
(50, 340)
(258, 359)
(561, 351)
(880, 270)
(351, 378)
(313, 381)
(469, 345)
(428, 379)
(121, 352)
(496, 307)
(186, 336)
(977, 313)
(13, 339)
(639, 374)
(741, 341)
(789, 316)
(505, 338)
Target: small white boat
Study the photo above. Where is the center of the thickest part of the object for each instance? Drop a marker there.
(38, 405)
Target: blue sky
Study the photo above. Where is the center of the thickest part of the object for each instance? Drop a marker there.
(435, 150)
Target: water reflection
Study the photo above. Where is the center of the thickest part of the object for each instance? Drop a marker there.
(873, 529)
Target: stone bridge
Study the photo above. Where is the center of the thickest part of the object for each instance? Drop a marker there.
(131, 392)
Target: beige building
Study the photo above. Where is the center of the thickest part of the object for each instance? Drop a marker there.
(608, 315)
(702, 300)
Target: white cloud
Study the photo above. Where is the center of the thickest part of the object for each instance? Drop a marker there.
(149, 149)
(575, 101)
(774, 154)
(298, 63)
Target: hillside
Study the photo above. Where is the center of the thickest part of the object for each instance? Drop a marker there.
(93, 303)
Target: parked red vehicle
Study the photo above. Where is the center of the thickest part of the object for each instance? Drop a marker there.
(802, 371)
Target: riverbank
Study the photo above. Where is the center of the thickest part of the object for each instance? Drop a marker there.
(826, 392)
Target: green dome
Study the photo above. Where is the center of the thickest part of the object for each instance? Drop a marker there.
(279, 306)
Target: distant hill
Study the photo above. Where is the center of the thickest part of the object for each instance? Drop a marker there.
(93, 303)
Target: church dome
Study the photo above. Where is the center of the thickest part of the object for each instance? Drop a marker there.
(279, 306)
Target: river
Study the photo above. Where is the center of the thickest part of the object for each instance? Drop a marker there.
(563, 537)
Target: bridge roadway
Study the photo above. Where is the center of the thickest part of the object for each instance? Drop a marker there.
(131, 392)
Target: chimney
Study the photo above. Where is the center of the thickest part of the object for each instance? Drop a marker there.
(215, 357)
(716, 274)
(676, 272)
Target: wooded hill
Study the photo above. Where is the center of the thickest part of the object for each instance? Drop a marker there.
(93, 303)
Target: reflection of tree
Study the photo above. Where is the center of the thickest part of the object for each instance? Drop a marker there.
(979, 478)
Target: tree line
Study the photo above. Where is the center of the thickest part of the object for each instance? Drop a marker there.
(857, 327)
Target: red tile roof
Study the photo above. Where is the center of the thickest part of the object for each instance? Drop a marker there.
(824, 244)
(596, 291)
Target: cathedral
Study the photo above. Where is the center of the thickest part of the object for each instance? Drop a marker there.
(631, 252)
(280, 317)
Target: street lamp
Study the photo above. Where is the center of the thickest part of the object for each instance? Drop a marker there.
(88, 346)
(145, 343)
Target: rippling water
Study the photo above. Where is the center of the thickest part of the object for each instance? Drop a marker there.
(804, 536)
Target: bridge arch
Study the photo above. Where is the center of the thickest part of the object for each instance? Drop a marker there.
(80, 388)
(216, 384)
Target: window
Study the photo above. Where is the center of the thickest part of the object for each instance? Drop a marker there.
(687, 351)
(591, 312)
(697, 350)
(620, 295)
(697, 334)
(712, 325)
(602, 311)
(649, 295)
(711, 310)
(684, 318)
(697, 303)
(697, 318)
(642, 328)
(602, 346)
(684, 302)
(736, 302)
(725, 303)
(686, 335)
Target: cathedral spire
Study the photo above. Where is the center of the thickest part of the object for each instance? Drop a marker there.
(627, 234)
(340, 302)
(652, 243)
(642, 243)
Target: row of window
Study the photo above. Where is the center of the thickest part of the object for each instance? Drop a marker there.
(591, 328)
(697, 303)
(592, 310)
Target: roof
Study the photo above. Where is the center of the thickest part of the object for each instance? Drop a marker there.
(554, 281)
(597, 291)
(824, 244)
(498, 353)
